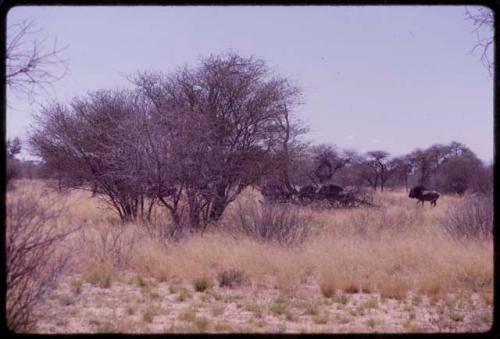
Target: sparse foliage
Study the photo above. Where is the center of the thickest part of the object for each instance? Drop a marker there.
(226, 118)
(379, 165)
(31, 66)
(200, 284)
(459, 174)
(34, 256)
(483, 21)
(13, 147)
(451, 168)
(108, 244)
(92, 144)
(283, 224)
(471, 218)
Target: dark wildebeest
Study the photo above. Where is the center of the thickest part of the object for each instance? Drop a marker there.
(422, 194)
(331, 193)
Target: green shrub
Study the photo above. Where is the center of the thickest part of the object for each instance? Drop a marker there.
(101, 276)
(371, 323)
(320, 318)
(200, 284)
(148, 315)
(76, 284)
(201, 324)
(327, 288)
(130, 310)
(278, 307)
(184, 295)
(341, 299)
(231, 278)
(107, 327)
(140, 281)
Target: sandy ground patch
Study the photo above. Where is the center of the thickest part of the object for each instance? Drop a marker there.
(138, 305)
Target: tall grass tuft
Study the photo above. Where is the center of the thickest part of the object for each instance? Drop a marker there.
(470, 218)
(231, 278)
(284, 224)
(200, 284)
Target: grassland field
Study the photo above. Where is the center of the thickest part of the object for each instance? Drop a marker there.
(385, 269)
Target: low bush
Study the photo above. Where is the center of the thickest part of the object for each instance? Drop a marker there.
(35, 255)
(472, 217)
(140, 281)
(278, 308)
(163, 229)
(101, 275)
(200, 284)
(284, 224)
(110, 242)
(201, 324)
(231, 278)
(327, 286)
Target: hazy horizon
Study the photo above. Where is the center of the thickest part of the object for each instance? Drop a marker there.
(387, 78)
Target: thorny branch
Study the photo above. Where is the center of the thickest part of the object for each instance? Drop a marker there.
(482, 18)
(31, 66)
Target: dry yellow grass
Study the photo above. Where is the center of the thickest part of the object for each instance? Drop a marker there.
(391, 250)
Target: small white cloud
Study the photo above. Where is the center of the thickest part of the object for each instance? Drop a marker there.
(375, 141)
(349, 137)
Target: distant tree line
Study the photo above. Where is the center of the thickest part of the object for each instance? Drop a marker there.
(192, 140)
(17, 168)
(451, 168)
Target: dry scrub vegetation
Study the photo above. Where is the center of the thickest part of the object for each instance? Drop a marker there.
(395, 268)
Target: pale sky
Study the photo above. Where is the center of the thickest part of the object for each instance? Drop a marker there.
(374, 77)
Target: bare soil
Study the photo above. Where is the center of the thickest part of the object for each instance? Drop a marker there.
(137, 305)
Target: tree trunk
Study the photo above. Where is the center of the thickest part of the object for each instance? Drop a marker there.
(194, 211)
(219, 203)
(150, 209)
(383, 179)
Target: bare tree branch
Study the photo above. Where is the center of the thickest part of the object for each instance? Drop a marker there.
(482, 20)
(35, 254)
(32, 67)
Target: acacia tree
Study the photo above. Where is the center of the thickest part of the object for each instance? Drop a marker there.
(13, 147)
(288, 158)
(327, 161)
(378, 161)
(353, 171)
(452, 167)
(423, 166)
(92, 144)
(460, 171)
(224, 122)
(401, 169)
